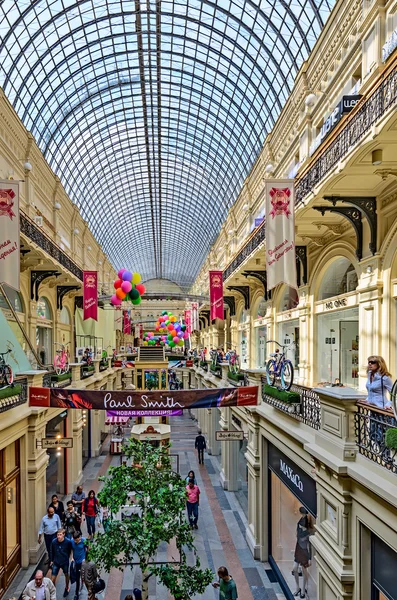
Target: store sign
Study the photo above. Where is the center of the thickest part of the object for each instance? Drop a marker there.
(229, 436)
(297, 481)
(144, 413)
(340, 303)
(345, 106)
(9, 233)
(48, 443)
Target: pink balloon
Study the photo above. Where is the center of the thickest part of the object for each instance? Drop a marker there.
(126, 286)
(175, 339)
(115, 300)
(120, 273)
(185, 335)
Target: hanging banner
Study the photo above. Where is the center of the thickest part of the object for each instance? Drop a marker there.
(90, 295)
(188, 321)
(137, 331)
(280, 233)
(126, 322)
(9, 233)
(216, 295)
(195, 317)
(142, 400)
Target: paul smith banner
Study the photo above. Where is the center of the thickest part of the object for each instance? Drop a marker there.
(143, 400)
(9, 233)
(216, 295)
(280, 233)
(90, 295)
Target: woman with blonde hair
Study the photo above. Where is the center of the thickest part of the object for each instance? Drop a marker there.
(379, 382)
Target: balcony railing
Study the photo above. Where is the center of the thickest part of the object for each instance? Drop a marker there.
(19, 398)
(370, 111)
(371, 425)
(307, 410)
(249, 247)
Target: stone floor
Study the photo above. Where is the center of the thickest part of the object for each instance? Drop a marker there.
(220, 539)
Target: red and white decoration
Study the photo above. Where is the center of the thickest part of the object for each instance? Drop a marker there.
(216, 295)
(195, 317)
(9, 233)
(188, 321)
(280, 233)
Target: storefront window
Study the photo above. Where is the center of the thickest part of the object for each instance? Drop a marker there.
(243, 316)
(261, 312)
(56, 465)
(10, 513)
(340, 278)
(261, 338)
(65, 316)
(290, 299)
(337, 348)
(43, 309)
(289, 336)
(44, 331)
(243, 348)
(14, 297)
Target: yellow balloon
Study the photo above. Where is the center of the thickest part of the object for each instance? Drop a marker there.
(172, 319)
(136, 278)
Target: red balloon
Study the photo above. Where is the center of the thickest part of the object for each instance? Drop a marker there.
(141, 288)
(117, 284)
(170, 327)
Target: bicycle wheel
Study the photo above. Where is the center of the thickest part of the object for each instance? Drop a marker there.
(287, 375)
(66, 367)
(58, 370)
(8, 375)
(271, 370)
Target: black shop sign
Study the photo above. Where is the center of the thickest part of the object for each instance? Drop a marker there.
(296, 480)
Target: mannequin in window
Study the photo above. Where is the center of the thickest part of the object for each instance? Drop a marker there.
(302, 557)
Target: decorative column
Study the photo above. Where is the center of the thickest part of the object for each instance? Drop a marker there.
(213, 446)
(304, 342)
(229, 477)
(255, 503)
(75, 454)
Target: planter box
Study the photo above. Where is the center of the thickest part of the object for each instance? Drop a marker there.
(9, 391)
(235, 376)
(287, 397)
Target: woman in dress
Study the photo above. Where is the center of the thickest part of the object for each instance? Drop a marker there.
(90, 512)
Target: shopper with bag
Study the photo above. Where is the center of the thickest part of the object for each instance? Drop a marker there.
(78, 556)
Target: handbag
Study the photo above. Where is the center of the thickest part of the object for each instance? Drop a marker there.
(98, 586)
(72, 572)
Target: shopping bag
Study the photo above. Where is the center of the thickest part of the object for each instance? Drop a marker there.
(72, 572)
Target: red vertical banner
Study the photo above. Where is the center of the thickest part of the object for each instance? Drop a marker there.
(216, 295)
(188, 321)
(126, 322)
(195, 317)
(90, 295)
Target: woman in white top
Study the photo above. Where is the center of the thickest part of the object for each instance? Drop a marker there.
(378, 383)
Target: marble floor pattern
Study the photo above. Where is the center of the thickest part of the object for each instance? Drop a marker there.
(220, 538)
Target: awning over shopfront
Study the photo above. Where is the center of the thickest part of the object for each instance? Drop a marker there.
(117, 420)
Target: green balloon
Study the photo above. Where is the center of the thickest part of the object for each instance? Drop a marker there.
(183, 327)
(137, 300)
(134, 294)
(167, 322)
(164, 312)
(170, 314)
(171, 344)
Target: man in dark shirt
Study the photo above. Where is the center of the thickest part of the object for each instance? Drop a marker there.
(61, 549)
(201, 446)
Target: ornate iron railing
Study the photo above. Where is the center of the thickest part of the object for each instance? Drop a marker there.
(47, 380)
(307, 410)
(371, 110)
(18, 399)
(249, 247)
(37, 236)
(371, 425)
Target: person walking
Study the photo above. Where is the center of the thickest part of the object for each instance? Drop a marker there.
(49, 526)
(190, 476)
(40, 588)
(200, 445)
(90, 511)
(72, 521)
(78, 556)
(226, 584)
(89, 575)
(57, 505)
(78, 498)
(61, 549)
(192, 503)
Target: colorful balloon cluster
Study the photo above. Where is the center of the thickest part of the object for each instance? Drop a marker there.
(168, 332)
(128, 286)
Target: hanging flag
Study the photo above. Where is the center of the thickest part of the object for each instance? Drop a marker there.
(9, 233)
(280, 233)
(126, 322)
(188, 321)
(195, 317)
(90, 295)
(216, 295)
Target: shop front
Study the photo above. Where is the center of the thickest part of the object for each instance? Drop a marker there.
(56, 468)
(383, 570)
(292, 514)
(10, 511)
(243, 339)
(44, 330)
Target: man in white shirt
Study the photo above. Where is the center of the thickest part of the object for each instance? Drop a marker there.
(40, 588)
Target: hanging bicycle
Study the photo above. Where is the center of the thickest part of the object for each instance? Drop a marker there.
(279, 367)
(234, 362)
(61, 360)
(6, 374)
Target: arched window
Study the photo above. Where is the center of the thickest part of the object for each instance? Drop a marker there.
(243, 316)
(290, 299)
(339, 278)
(44, 309)
(65, 316)
(14, 297)
(261, 311)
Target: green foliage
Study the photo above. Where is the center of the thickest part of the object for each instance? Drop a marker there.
(9, 391)
(235, 376)
(289, 397)
(391, 438)
(62, 377)
(158, 516)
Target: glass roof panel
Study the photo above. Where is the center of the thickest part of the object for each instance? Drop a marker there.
(152, 113)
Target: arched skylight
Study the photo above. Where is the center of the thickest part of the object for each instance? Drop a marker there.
(153, 112)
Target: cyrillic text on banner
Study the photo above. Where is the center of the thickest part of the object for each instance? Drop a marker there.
(216, 295)
(90, 295)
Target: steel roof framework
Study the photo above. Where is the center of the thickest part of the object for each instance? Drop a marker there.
(153, 112)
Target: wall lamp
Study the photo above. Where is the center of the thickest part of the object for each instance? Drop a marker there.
(269, 168)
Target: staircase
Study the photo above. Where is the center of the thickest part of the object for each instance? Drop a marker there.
(151, 354)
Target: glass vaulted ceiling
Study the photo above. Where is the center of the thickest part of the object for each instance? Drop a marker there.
(152, 113)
